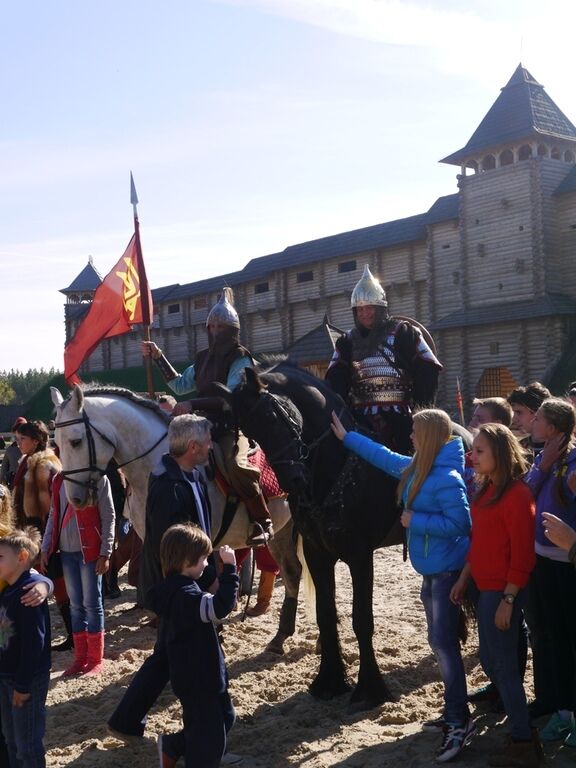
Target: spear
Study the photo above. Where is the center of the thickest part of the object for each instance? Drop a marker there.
(145, 296)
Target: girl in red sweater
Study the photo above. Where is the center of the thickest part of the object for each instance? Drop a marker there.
(500, 560)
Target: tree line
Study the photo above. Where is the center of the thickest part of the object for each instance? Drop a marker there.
(17, 387)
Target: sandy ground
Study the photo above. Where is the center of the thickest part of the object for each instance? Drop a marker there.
(279, 724)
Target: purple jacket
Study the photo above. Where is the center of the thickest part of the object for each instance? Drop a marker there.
(544, 486)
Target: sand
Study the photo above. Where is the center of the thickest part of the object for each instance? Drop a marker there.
(279, 724)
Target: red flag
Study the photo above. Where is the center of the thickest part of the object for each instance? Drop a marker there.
(122, 300)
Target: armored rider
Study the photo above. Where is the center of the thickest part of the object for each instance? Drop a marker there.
(383, 367)
(223, 361)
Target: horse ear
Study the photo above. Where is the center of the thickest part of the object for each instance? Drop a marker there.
(56, 396)
(217, 389)
(253, 380)
(78, 397)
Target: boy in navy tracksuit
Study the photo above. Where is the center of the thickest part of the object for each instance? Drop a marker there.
(24, 653)
(187, 628)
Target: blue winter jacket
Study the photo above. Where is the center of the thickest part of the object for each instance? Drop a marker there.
(438, 537)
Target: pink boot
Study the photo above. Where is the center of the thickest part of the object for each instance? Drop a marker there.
(95, 653)
(80, 655)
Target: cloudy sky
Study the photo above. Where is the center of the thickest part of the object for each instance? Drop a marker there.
(249, 125)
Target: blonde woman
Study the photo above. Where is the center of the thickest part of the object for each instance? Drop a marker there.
(437, 520)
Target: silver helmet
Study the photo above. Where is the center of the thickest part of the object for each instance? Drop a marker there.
(368, 292)
(223, 312)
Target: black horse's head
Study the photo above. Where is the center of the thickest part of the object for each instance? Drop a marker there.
(275, 423)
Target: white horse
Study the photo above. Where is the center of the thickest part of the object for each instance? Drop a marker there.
(94, 425)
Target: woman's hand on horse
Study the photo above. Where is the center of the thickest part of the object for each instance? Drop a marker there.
(102, 565)
(181, 408)
(227, 555)
(149, 349)
(406, 518)
(337, 427)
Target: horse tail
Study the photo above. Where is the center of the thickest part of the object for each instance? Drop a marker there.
(306, 582)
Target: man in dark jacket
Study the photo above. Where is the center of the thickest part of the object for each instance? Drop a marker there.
(175, 495)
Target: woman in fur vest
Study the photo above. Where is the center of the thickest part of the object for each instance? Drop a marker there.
(33, 482)
(32, 498)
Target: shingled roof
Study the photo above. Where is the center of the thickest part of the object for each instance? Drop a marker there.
(542, 306)
(523, 110)
(317, 344)
(87, 280)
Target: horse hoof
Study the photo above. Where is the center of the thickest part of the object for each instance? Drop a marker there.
(327, 692)
(275, 647)
(362, 699)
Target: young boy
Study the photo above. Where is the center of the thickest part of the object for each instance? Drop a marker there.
(187, 628)
(24, 653)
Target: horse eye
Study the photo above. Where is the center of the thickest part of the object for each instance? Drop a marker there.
(75, 443)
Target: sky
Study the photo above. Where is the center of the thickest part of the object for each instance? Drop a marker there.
(249, 126)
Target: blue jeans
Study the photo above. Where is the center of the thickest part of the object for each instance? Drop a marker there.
(84, 588)
(443, 618)
(499, 659)
(24, 727)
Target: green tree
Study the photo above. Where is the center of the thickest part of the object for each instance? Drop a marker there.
(7, 394)
(24, 384)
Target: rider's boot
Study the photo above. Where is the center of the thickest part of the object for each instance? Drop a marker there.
(265, 589)
(262, 530)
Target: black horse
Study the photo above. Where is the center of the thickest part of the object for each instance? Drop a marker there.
(343, 507)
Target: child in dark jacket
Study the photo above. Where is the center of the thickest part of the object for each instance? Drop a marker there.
(187, 628)
(24, 653)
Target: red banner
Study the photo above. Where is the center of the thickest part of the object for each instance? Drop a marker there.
(122, 300)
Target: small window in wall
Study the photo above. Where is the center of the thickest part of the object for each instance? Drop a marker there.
(525, 152)
(494, 347)
(173, 309)
(261, 287)
(305, 277)
(201, 302)
(346, 266)
(506, 157)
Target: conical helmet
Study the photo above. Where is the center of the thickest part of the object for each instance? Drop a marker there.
(368, 292)
(223, 312)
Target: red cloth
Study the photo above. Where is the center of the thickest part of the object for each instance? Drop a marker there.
(264, 559)
(122, 300)
(268, 480)
(502, 542)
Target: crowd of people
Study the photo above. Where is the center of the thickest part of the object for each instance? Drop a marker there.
(490, 528)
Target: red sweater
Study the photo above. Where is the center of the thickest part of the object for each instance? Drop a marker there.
(502, 542)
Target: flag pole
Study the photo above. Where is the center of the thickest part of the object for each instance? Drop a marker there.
(459, 402)
(144, 295)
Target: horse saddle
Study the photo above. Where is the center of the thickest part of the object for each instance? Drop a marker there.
(269, 484)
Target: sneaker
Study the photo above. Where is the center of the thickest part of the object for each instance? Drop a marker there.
(434, 726)
(454, 739)
(556, 728)
(165, 761)
(570, 740)
(231, 758)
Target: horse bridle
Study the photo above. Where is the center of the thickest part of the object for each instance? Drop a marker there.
(92, 483)
(295, 429)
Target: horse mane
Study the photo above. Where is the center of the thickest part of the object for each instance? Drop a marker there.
(96, 390)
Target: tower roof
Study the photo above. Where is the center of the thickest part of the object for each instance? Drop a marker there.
(523, 110)
(87, 280)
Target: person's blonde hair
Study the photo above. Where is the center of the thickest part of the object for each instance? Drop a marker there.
(6, 511)
(29, 539)
(433, 429)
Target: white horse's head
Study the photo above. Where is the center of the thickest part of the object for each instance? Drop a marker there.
(84, 449)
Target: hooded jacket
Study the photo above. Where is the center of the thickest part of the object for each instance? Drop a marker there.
(188, 632)
(438, 536)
